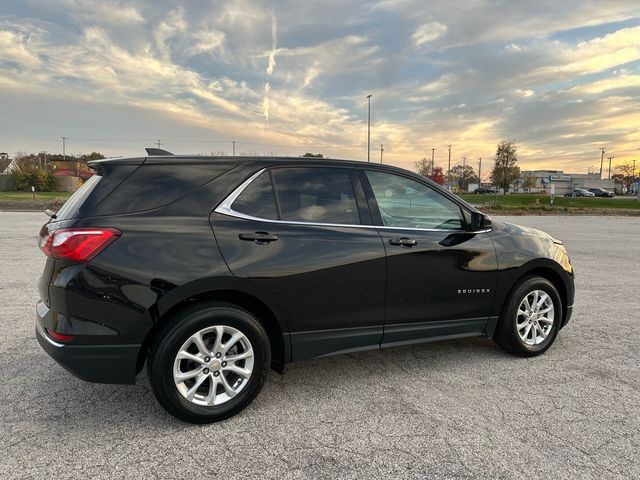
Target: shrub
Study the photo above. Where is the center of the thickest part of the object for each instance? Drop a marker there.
(29, 175)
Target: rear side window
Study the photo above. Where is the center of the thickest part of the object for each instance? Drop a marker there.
(316, 195)
(257, 199)
(75, 201)
(156, 185)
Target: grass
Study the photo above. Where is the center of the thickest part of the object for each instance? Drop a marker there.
(543, 202)
(40, 196)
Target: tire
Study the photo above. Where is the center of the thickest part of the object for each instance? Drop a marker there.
(224, 387)
(515, 317)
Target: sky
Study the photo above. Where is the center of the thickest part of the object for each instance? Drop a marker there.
(562, 78)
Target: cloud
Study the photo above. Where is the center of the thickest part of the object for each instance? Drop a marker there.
(207, 41)
(14, 49)
(428, 33)
(551, 74)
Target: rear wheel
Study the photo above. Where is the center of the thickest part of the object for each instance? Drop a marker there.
(209, 362)
(530, 319)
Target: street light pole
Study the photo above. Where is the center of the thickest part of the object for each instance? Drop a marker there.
(601, 160)
(610, 158)
(64, 148)
(369, 130)
(381, 150)
(433, 152)
(449, 168)
(480, 171)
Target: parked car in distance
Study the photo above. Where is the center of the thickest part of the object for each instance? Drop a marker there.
(480, 190)
(579, 192)
(601, 192)
(211, 270)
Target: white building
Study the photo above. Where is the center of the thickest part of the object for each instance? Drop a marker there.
(559, 183)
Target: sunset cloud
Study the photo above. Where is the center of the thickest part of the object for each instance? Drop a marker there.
(563, 78)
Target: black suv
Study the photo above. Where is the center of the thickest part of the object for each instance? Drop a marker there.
(211, 270)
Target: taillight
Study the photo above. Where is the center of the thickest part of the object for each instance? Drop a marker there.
(77, 244)
(61, 337)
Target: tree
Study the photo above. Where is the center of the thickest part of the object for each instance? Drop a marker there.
(313, 155)
(624, 173)
(29, 172)
(528, 183)
(437, 176)
(505, 170)
(463, 175)
(423, 167)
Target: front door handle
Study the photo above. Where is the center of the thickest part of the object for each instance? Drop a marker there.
(403, 242)
(261, 238)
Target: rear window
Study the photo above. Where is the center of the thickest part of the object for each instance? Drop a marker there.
(71, 206)
(156, 185)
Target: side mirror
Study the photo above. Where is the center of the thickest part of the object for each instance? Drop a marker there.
(480, 221)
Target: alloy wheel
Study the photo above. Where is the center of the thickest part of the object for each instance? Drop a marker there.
(213, 365)
(534, 318)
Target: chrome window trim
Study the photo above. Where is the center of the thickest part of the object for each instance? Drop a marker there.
(225, 208)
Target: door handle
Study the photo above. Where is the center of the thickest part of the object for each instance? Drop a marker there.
(261, 238)
(403, 242)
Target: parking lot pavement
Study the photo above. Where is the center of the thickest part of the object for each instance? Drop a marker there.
(461, 409)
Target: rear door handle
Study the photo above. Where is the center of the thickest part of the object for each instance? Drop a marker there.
(403, 242)
(258, 237)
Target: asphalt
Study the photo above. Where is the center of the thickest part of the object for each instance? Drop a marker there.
(456, 409)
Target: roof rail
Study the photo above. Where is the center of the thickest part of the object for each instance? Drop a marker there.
(155, 152)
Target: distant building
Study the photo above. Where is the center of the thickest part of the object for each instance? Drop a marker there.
(562, 182)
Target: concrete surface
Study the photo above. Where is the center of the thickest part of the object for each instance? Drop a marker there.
(460, 409)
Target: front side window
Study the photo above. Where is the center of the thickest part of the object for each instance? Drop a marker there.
(406, 203)
(257, 199)
(316, 195)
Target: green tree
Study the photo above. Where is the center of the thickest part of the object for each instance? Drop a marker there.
(29, 172)
(528, 183)
(463, 175)
(505, 170)
(313, 155)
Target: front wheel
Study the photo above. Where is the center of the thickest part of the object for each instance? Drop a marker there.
(209, 362)
(530, 319)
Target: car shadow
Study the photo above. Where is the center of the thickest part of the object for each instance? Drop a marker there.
(63, 401)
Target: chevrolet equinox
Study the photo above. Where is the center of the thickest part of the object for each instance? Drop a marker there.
(211, 270)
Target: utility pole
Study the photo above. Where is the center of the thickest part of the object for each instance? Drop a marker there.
(610, 158)
(480, 171)
(601, 160)
(64, 148)
(433, 153)
(234, 147)
(369, 129)
(158, 143)
(381, 150)
(449, 168)
(633, 173)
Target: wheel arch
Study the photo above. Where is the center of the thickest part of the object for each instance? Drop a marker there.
(549, 272)
(274, 325)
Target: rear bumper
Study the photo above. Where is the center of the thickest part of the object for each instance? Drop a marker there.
(92, 363)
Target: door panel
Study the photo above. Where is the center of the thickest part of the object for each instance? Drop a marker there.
(323, 277)
(440, 277)
(430, 282)
(306, 254)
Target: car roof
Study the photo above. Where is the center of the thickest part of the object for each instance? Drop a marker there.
(239, 160)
